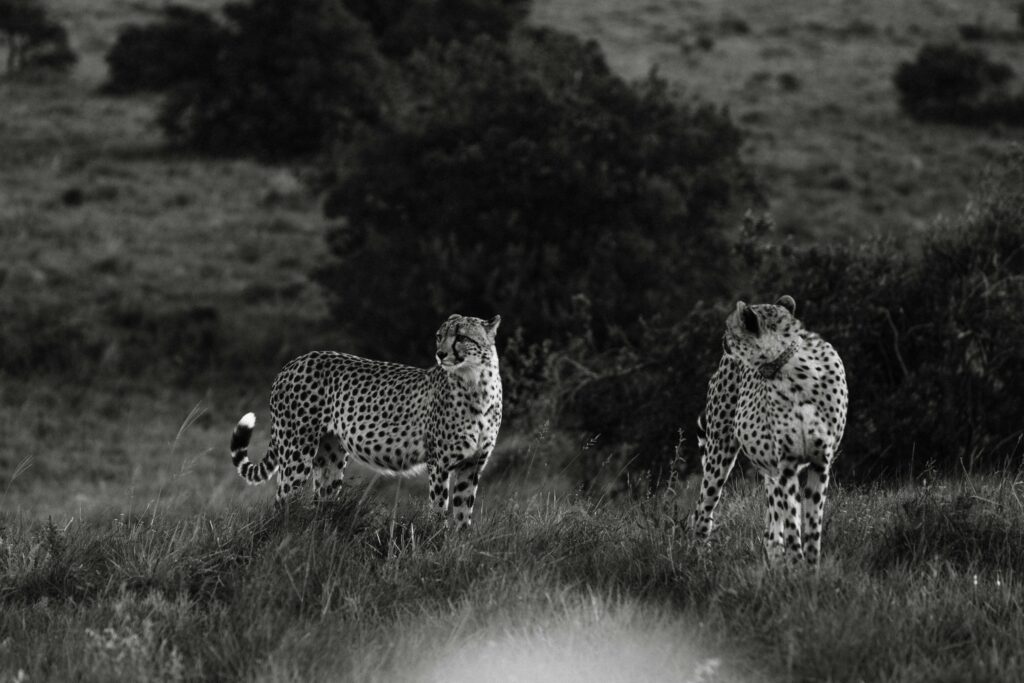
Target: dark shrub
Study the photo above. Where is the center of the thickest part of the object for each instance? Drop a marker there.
(402, 26)
(929, 345)
(32, 37)
(957, 85)
(184, 46)
(522, 175)
(291, 77)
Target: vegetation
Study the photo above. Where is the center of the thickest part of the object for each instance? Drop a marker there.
(282, 79)
(521, 176)
(917, 584)
(182, 48)
(33, 38)
(921, 336)
(402, 27)
(139, 287)
(288, 78)
(958, 85)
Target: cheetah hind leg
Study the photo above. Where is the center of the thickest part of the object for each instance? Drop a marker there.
(813, 503)
(782, 521)
(328, 468)
(294, 469)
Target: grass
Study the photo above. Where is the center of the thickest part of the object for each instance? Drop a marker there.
(811, 82)
(130, 551)
(919, 583)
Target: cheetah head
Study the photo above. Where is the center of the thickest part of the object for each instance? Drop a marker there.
(466, 344)
(762, 334)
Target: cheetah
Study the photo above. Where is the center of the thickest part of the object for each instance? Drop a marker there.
(327, 406)
(780, 396)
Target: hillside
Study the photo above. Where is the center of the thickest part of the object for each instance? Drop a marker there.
(148, 296)
(812, 84)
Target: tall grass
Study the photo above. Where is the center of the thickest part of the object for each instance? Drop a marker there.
(918, 583)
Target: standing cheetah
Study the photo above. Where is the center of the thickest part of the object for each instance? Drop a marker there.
(327, 406)
(780, 396)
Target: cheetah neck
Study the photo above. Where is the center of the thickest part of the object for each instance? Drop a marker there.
(771, 369)
(483, 382)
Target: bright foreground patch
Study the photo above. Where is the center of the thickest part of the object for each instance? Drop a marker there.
(594, 642)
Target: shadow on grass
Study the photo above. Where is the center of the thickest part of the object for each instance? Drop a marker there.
(964, 530)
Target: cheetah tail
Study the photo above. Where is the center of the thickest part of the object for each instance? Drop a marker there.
(252, 473)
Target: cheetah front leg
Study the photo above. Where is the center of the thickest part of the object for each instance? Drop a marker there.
(464, 486)
(717, 462)
(438, 476)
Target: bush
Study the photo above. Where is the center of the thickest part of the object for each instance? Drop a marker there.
(402, 27)
(520, 175)
(32, 37)
(958, 85)
(926, 341)
(291, 76)
(182, 48)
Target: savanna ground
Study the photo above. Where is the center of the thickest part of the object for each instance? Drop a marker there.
(129, 549)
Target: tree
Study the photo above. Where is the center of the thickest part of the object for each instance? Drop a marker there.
(291, 77)
(519, 175)
(183, 47)
(33, 38)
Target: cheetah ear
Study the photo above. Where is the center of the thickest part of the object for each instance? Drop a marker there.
(491, 326)
(453, 316)
(749, 318)
(787, 302)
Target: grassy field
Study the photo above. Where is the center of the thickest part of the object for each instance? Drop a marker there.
(919, 583)
(129, 549)
(811, 81)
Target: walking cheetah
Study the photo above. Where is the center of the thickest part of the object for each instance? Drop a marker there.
(327, 406)
(780, 396)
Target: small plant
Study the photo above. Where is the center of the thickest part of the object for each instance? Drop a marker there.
(33, 38)
(132, 649)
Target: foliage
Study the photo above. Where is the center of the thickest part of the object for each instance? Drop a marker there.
(401, 26)
(180, 49)
(33, 37)
(361, 591)
(958, 85)
(519, 176)
(923, 340)
(290, 77)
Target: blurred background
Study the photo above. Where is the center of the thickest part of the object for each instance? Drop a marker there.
(193, 193)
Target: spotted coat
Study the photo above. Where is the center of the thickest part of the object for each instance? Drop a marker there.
(327, 407)
(780, 396)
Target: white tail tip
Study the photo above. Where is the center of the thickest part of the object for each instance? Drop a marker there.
(248, 421)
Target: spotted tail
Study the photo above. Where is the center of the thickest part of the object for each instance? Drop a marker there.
(252, 473)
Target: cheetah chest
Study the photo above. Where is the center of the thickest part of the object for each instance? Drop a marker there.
(787, 417)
